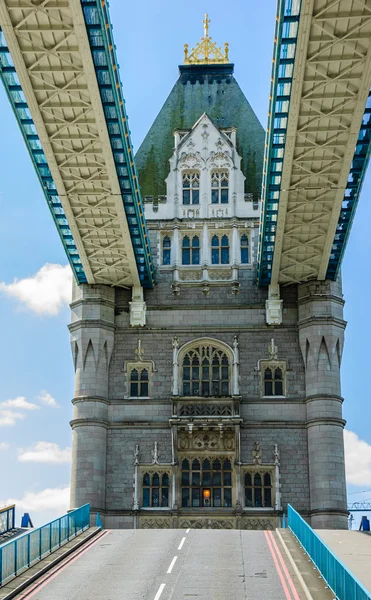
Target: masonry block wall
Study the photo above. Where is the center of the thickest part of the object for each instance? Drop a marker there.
(307, 424)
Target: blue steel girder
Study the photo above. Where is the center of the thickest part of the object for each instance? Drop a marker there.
(339, 28)
(113, 246)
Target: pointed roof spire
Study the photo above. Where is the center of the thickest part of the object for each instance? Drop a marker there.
(206, 51)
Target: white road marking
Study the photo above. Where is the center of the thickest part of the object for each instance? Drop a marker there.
(160, 590)
(187, 530)
(172, 564)
(181, 543)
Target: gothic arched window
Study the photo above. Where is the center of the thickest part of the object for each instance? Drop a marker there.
(273, 381)
(155, 490)
(258, 490)
(139, 383)
(206, 483)
(220, 250)
(166, 250)
(191, 187)
(244, 250)
(219, 187)
(191, 250)
(206, 372)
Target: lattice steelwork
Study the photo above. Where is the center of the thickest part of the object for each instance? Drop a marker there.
(60, 72)
(318, 141)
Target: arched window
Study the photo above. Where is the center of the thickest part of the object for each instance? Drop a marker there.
(155, 490)
(219, 187)
(206, 372)
(139, 383)
(206, 483)
(191, 187)
(273, 382)
(258, 490)
(244, 250)
(191, 250)
(220, 250)
(166, 250)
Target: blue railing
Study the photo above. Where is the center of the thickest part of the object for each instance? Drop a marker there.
(19, 554)
(7, 518)
(342, 582)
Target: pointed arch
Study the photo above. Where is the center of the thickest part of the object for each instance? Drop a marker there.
(324, 355)
(89, 354)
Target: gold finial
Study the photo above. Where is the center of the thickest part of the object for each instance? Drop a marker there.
(206, 51)
(206, 22)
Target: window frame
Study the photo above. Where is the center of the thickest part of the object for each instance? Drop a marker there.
(191, 176)
(138, 365)
(219, 176)
(273, 365)
(247, 248)
(167, 249)
(193, 249)
(219, 248)
(197, 484)
(263, 470)
(151, 472)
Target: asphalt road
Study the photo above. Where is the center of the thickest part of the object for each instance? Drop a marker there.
(173, 564)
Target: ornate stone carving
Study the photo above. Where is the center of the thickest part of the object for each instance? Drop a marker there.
(190, 160)
(257, 454)
(261, 524)
(190, 275)
(205, 441)
(139, 351)
(207, 524)
(155, 523)
(136, 455)
(219, 275)
(155, 454)
(272, 350)
(209, 410)
(219, 159)
(175, 288)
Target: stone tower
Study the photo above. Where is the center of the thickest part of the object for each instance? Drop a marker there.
(209, 405)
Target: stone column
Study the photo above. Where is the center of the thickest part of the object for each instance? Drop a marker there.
(321, 335)
(92, 339)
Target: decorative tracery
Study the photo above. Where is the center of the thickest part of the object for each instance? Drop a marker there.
(206, 372)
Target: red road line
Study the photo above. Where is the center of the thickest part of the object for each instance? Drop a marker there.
(53, 573)
(278, 568)
(284, 567)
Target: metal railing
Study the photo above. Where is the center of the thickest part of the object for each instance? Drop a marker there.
(19, 554)
(7, 518)
(340, 580)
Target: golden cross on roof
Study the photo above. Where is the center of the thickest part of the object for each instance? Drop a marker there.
(206, 51)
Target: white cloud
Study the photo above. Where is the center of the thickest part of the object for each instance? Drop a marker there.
(4, 446)
(357, 459)
(45, 452)
(20, 403)
(47, 399)
(43, 506)
(8, 418)
(46, 292)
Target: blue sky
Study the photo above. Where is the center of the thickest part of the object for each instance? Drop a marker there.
(36, 367)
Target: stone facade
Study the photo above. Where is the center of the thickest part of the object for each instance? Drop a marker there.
(268, 408)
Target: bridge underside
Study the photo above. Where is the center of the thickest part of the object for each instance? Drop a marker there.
(59, 68)
(318, 141)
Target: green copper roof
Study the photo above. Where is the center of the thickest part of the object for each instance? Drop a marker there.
(209, 89)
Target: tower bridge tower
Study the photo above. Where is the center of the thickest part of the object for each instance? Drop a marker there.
(192, 409)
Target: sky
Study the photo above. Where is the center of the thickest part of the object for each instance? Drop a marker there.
(36, 383)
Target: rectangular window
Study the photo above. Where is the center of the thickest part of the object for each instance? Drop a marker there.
(196, 497)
